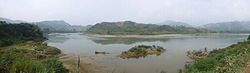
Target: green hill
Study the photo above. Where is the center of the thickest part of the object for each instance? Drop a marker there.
(133, 28)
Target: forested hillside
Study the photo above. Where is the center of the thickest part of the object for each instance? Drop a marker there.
(16, 33)
(129, 27)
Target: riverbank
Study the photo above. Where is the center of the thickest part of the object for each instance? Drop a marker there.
(30, 57)
(232, 59)
(22, 50)
(87, 64)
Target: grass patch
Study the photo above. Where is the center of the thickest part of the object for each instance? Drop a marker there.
(27, 58)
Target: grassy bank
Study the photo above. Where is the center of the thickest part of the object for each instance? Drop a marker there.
(232, 59)
(30, 57)
(22, 50)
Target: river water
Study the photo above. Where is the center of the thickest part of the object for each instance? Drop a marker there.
(170, 61)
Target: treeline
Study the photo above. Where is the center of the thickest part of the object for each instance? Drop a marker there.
(16, 33)
(232, 59)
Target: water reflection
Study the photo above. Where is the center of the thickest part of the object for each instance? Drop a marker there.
(170, 61)
(127, 41)
(58, 38)
(133, 40)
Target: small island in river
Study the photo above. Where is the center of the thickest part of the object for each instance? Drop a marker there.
(142, 51)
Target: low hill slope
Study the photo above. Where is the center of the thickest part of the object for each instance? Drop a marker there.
(133, 28)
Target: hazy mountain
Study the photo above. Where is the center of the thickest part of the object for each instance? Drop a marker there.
(52, 26)
(175, 24)
(234, 26)
(59, 26)
(129, 27)
(11, 21)
(80, 28)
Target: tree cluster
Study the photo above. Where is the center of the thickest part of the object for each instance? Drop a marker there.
(16, 33)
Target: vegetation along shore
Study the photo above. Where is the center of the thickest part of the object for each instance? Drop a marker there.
(232, 59)
(22, 50)
(142, 51)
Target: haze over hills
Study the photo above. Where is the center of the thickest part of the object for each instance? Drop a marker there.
(59, 26)
(231, 27)
(175, 23)
(11, 21)
(129, 27)
(51, 26)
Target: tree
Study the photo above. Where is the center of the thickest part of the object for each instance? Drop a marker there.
(248, 38)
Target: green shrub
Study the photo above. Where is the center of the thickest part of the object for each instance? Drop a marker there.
(55, 66)
(6, 42)
(40, 56)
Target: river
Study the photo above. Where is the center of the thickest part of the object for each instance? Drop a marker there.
(170, 61)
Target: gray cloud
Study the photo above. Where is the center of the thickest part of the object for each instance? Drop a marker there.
(84, 12)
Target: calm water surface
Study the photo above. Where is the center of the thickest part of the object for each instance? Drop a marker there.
(170, 61)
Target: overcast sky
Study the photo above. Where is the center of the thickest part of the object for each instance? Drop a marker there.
(85, 12)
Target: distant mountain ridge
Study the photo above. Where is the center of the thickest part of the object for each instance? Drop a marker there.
(130, 27)
(52, 26)
(230, 27)
(59, 26)
(11, 21)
